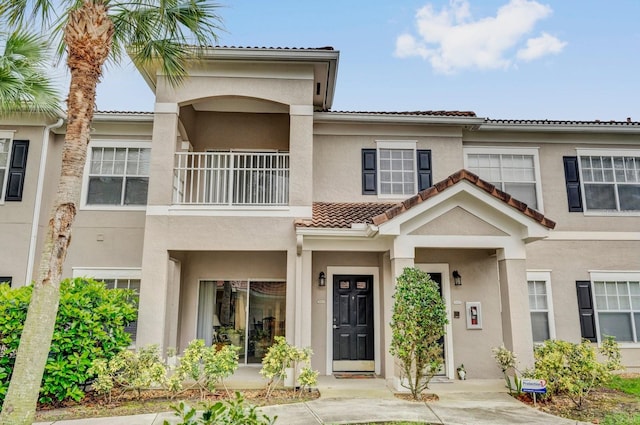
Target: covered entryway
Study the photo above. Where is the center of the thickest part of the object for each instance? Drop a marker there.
(353, 330)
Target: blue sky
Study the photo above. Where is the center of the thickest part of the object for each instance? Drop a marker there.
(511, 59)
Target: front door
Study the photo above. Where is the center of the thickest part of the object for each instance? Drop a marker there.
(353, 323)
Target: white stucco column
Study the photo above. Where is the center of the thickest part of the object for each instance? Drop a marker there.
(400, 257)
(156, 276)
(301, 155)
(293, 306)
(306, 300)
(516, 320)
(152, 311)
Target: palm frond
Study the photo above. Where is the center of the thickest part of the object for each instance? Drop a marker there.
(24, 84)
(168, 32)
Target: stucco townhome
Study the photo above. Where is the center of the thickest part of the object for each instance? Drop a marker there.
(244, 208)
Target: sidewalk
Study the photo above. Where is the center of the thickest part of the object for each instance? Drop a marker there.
(343, 401)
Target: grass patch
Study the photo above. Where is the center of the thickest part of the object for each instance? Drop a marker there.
(626, 385)
(621, 419)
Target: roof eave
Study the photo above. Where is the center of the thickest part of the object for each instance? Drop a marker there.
(594, 127)
(331, 117)
(359, 230)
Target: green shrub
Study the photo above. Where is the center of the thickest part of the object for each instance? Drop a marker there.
(233, 412)
(282, 356)
(205, 366)
(89, 325)
(129, 371)
(417, 324)
(573, 369)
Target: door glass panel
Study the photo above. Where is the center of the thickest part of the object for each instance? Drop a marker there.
(267, 309)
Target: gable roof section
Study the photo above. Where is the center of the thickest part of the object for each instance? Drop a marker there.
(462, 175)
(345, 214)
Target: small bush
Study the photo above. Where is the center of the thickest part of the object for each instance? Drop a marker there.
(205, 366)
(89, 325)
(282, 356)
(573, 369)
(129, 371)
(233, 412)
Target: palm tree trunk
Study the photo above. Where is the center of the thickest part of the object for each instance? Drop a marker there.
(88, 35)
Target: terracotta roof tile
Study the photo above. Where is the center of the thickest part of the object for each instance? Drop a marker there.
(612, 123)
(343, 214)
(450, 181)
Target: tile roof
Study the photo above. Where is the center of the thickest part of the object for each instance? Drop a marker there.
(412, 113)
(612, 123)
(272, 48)
(343, 214)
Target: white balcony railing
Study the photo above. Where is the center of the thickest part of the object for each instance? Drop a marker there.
(231, 178)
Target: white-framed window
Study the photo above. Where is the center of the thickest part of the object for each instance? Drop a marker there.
(5, 155)
(541, 305)
(512, 170)
(617, 305)
(117, 174)
(397, 175)
(120, 278)
(610, 180)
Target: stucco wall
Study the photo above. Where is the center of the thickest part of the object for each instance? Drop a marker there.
(570, 261)
(337, 156)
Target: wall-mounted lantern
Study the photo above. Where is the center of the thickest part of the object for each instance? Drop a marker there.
(457, 279)
(322, 279)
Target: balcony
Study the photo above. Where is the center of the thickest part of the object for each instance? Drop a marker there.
(231, 178)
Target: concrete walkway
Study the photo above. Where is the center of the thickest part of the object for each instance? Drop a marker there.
(343, 401)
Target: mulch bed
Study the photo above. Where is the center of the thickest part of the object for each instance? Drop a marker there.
(153, 401)
(426, 397)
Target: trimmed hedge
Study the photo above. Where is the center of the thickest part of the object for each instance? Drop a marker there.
(90, 325)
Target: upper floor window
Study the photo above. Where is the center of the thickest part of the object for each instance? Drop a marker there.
(611, 183)
(397, 172)
(117, 174)
(13, 166)
(515, 171)
(395, 169)
(5, 149)
(540, 306)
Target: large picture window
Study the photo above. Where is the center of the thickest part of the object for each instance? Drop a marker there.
(514, 171)
(611, 183)
(617, 303)
(247, 314)
(117, 175)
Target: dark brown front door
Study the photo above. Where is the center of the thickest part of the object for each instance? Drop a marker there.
(353, 322)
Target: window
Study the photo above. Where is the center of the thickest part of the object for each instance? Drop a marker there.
(610, 182)
(117, 175)
(395, 169)
(116, 279)
(540, 306)
(515, 171)
(6, 279)
(617, 304)
(13, 166)
(5, 149)
(397, 172)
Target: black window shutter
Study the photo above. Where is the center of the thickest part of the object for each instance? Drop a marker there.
(17, 169)
(369, 172)
(6, 279)
(585, 307)
(424, 168)
(572, 179)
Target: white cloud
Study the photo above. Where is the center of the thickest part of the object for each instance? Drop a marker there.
(541, 46)
(451, 40)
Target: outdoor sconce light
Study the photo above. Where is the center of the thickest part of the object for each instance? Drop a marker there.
(457, 279)
(322, 279)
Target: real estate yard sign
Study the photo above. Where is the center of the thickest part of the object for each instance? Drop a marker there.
(535, 386)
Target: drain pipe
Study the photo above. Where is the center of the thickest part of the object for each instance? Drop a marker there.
(38, 202)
